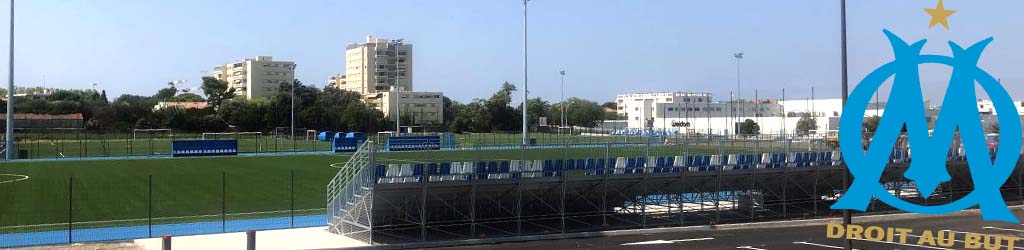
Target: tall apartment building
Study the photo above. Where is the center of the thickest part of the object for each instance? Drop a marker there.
(381, 70)
(256, 77)
(336, 80)
(378, 65)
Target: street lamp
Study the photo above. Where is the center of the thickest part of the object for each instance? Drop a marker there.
(847, 217)
(9, 142)
(292, 94)
(739, 56)
(526, 86)
(563, 98)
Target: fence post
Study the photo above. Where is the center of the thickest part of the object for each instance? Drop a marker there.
(250, 240)
(223, 201)
(166, 240)
(293, 198)
(150, 214)
(70, 204)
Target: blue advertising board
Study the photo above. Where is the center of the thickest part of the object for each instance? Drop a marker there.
(180, 148)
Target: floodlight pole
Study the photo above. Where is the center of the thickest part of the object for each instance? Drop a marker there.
(562, 86)
(9, 142)
(526, 86)
(739, 57)
(847, 217)
(294, 84)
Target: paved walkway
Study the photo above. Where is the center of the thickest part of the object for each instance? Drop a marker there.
(301, 238)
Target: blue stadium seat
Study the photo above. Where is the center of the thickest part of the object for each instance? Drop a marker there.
(549, 168)
(631, 162)
(706, 163)
(492, 167)
(446, 168)
(417, 169)
(504, 168)
(825, 159)
(380, 171)
(432, 168)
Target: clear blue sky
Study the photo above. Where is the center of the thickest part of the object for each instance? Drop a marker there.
(466, 48)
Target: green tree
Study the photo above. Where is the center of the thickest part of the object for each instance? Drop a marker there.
(216, 91)
(806, 124)
(536, 108)
(129, 109)
(211, 123)
(187, 97)
(609, 105)
(246, 115)
(166, 94)
(871, 124)
(500, 115)
(583, 113)
(748, 127)
(995, 128)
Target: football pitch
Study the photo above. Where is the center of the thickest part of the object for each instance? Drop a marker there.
(84, 145)
(46, 195)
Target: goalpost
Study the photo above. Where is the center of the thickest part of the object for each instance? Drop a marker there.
(243, 146)
(150, 132)
(236, 134)
(311, 135)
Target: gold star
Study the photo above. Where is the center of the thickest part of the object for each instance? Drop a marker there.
(939, 15)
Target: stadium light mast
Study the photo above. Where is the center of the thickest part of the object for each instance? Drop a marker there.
(739, 56)
(294, 84)
(526, 86)
(847, 217)
(9, 142)
(562, 85)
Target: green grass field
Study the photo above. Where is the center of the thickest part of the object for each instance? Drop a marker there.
(83, 145)
(117, 192)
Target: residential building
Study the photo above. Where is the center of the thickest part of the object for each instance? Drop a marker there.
(256, 77)
(378, 65)
(180, 105)
(700, 113)
(336, 80)
(418, 107)
(381, 70)
(986, 107)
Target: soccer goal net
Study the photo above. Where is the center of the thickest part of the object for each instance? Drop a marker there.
(230, 135)
(152, 133)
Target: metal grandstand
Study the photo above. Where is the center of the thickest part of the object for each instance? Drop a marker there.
(443, 201)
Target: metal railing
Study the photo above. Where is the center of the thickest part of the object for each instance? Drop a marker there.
(349, 195)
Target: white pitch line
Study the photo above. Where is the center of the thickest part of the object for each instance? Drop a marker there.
(817, 245)
(17, 178)
(750, 247)
(964, 233)
(697, 239)
(1004, 229)
(654, 242)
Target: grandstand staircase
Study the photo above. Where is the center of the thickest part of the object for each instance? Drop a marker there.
(350, 196)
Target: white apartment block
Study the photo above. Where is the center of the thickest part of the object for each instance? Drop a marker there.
(378, 65)
(700, 113)
(256, 77)
(381, 70)
(421, 107)
(336, 80)
(986, 107)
